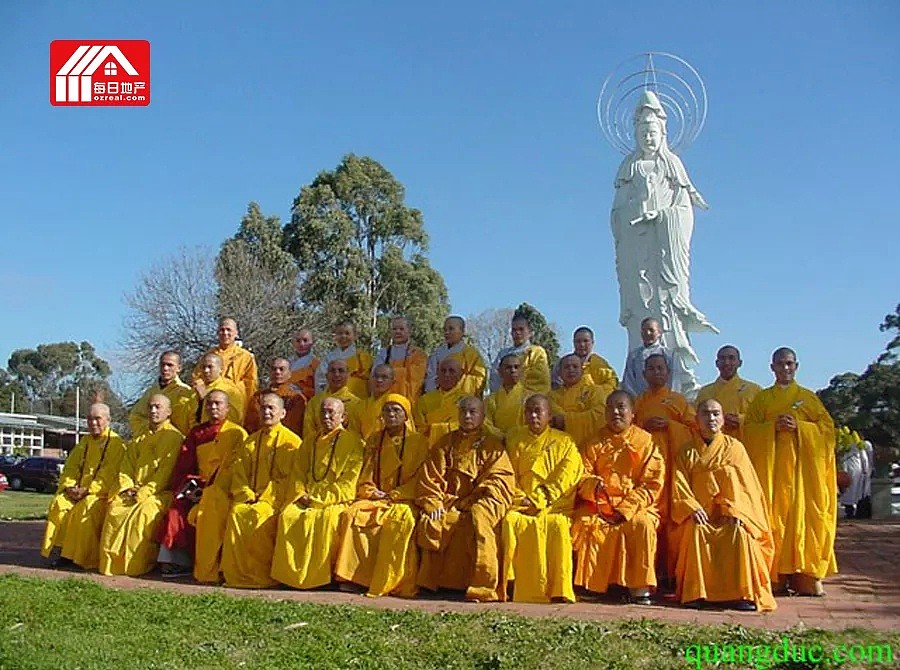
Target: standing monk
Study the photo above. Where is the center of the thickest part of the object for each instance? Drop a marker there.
(369, 415)
(75, 517)
(577, 406)
(128, 543)
(377, 547)
(322, 484)
(474, 372)
(437, 412)
(180, 395)
(633, 379)
(281, 385)
(616, 517)
(358, 362)
(790, 439)
(597, 370)
(732, 392)
(304, 366)
(722, 537)
(201, 481)
(238, 364)
(408, 361)
(537, 536)
(464, 490)
(505, 408)
(337, 376)
(535, 368)
(260, 488)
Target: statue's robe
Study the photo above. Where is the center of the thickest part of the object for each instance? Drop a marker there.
(584, 407)
(359, 363)
(798, 477)
(128, 542)
(303, 373)
(239, 367)
(260, 489)
(410, 365)
(312, 421)
(680, 432)
(721, 561)
(294, 406)
(181, 398)
(504, 409)
(735, 396)
(206, 457)
(537, 536)
(633, 474)
(376, 545)
(474, 371)
(471, 478)
(75, 527)
(535, 368)
(437, 413)
(326, 470)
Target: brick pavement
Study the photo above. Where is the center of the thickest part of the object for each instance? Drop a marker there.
(865, 594)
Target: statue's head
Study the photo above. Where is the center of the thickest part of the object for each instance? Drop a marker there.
(649, 123)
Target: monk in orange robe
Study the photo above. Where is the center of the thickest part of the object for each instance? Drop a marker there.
(721, 534)
(464, 490)
(305, 364)
(369, 409)
(409, 362)
(577, 405)
(732, 392)
(281, 385)
(238, 364)
(616, 514)
(437, 412)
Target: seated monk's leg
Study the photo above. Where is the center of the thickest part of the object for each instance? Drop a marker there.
(639, 543)
(396, 556)
(559, 557)
(57, 522)
(486, 572)
(82, 541)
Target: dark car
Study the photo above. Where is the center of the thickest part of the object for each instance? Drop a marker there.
(41, 474)
(8, 459)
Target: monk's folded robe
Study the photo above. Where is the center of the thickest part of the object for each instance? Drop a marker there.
(128, 543)
(735, 396)
(505, 409)
(584, 407)
(437, 413)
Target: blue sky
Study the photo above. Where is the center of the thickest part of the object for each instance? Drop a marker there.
(486, 112)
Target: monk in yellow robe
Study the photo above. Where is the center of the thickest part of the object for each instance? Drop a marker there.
(181, 397)
(722, 536)
(464, 490)
(212, 379)
(76, 514)
(616, 515)
(128, 543)
(537, 534)
(322, 485)
(437, 412)
(305, 364)
(238, 364)
(597, 370)
(281, 385)
(358, 362)
(670, 418)
(194, 526)
(790, 438)
(732, 392)
(577, 406)
(504, 409)
(535, 368)
(369, 417)
(337, 376)
(376, 546)
(260, 489)
(409, 362)
(472, 367)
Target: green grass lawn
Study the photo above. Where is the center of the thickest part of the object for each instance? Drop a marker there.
(76, 623)
(23, 505)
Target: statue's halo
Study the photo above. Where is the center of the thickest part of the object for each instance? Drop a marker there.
(676, 83)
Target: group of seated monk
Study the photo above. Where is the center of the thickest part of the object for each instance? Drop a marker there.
(524, 496)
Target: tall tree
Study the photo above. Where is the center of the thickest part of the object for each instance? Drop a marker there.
(489, 331)
(361, 251)
(543, 333)
(12, 394)
(173, 306)
(258, 286)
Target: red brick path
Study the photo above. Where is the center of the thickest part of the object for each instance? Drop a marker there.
(866, 593)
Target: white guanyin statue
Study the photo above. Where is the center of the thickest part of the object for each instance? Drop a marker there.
(652, 221)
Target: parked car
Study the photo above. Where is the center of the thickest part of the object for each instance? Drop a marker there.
(3, 483)
(37, 473)
(8, 459)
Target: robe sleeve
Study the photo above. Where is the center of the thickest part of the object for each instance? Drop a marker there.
(538, 373)
(684, 504)
(431, 485)
(240, 473)
(159, 479)
(493, 490)
(69, 474)
(129, 466)
(365, 487)
(407, 490)
(567, 474)
(588, 484)
(589, 420)
(137, 418)
(107, 476)
(649, 484)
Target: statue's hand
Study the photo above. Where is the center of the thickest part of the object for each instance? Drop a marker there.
(698, 200)
(652, 214)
